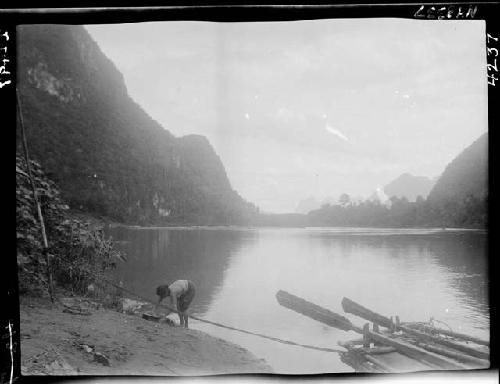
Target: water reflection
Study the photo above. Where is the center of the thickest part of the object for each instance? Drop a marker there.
(156, 256)
(414, 274)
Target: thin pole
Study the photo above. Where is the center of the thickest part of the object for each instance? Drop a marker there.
(35, 198)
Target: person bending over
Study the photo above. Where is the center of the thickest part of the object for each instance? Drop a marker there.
(181, 294)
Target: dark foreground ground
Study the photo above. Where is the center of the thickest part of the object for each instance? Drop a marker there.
(106, 342)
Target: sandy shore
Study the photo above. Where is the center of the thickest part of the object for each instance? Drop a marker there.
(106, 342)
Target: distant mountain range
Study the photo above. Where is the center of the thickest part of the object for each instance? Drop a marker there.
(106, 153)
(409, 186)
(306, 205)
(406, 185)
(311, 203)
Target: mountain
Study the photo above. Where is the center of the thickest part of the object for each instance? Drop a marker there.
(409, 186)
(311, 203)
(106, 153)
(460, 195)
(466, 175)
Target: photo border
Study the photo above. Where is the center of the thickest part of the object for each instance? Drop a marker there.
(93, 12)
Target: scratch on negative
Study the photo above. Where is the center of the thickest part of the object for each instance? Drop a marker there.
(11, 355)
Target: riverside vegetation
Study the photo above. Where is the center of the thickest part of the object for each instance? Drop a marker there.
(80, 254)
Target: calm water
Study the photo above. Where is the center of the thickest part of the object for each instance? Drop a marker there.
(416, 274)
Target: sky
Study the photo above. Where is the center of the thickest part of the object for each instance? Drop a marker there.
(311, 108)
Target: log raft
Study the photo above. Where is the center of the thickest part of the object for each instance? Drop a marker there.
(401, 347)
(456, 335)
(350, 306)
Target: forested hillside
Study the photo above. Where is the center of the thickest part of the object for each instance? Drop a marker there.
(458, 199)
(105, 152)
(461, 192)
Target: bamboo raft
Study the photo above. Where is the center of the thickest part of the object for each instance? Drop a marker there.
(390, 345)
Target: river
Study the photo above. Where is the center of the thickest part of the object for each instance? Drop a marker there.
(413, 273)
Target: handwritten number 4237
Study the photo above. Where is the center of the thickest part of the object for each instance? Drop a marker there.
(492, 67)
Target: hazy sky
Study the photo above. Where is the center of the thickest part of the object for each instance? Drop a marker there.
(311, 108)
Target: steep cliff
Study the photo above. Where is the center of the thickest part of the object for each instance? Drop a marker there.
(106, 153)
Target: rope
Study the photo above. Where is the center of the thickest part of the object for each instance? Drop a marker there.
(439, 321)
(276, 339)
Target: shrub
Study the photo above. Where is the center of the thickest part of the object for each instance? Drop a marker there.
(79, 252)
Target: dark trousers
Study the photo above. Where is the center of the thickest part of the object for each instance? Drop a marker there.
(186, 298)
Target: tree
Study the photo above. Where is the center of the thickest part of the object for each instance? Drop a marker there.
(344, 199)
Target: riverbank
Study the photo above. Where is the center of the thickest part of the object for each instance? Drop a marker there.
(99, 222)
(98, 341)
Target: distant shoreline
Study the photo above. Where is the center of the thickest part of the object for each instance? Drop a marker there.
(341, 229)
(101, 221)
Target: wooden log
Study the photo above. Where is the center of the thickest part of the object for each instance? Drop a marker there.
(365, 313)
(359, 363)
(417, 353)
(366, 335)
(380, 364)
(355, 357)
(315, 312)
(350, 306)
(450, 344)
(377, 350)
(331, 318)
(446, 332)
(477, 363)
(370, 359)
